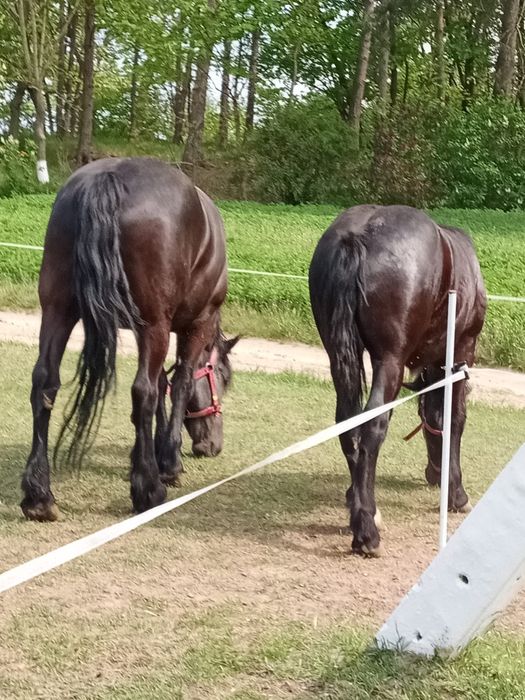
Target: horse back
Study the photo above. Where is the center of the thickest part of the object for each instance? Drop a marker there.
(402, 265)
(171, 239)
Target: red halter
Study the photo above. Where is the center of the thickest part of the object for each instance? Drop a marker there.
(215, 408)
(208, 371)
(423, 425)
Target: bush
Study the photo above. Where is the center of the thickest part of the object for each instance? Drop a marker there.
(481, 155)
(402, 161)
(303, 153)
(17, 168)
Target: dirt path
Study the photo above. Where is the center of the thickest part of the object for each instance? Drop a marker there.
(496, 386)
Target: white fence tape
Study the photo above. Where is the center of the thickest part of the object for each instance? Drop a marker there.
(46, 562)
(263, 273)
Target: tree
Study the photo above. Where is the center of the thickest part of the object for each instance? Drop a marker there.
(253, 75)
(384, 52)
(224, 113)
(361, 70)
(506, 61)
(88, 65)
(439, 49)
(36, 28)
(193, 146)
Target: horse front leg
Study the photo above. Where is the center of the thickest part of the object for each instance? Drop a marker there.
(189, 349)
(432, 413)
(169, 443)
(38, 502)
(147, 490)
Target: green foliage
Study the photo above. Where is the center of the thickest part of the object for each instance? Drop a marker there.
(17, 168)
(302, 154)
(481, 155)
(429, 154)
(280, 238)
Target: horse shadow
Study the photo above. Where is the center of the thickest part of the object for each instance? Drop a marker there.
(268, 506)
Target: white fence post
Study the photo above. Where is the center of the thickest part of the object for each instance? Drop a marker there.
(447, 419)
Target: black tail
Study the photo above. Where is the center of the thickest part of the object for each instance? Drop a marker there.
(336, 284)
(104, 302)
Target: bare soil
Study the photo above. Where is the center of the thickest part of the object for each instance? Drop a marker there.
(495, 386)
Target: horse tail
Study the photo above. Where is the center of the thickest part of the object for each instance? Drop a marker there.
(104, 303)
(338, 277)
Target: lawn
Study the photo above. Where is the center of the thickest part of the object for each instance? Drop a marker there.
(248, 592)
(278, 238)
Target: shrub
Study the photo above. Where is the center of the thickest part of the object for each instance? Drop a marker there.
(303, 153)
(17, 167)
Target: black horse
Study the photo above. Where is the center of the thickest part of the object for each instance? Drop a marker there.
(379, 280)
(131, 243)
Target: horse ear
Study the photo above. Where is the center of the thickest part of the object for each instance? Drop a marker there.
(230, 343)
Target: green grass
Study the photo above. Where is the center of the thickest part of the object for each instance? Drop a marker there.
(280, 238)
(247, 592)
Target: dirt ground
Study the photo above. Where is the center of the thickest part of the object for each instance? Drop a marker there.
(495, 386)
(255, 568)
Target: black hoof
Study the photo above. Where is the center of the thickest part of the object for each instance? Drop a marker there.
(147, 497)
(42, 512)
(171, 479)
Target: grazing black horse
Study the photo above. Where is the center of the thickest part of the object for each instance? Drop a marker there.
(379, 280)
(131, 243)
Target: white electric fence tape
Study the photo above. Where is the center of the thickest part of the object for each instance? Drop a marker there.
(46, 562)
(263, 273)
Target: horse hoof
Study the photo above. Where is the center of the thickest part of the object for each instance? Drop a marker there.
(41, 512)
(171, 479)
(372, 552)
(466, 508)
(432, 476)
(378, 519)
(147, 499)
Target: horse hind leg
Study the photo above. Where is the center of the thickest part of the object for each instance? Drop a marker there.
(147, 490)
(38, 502)
(365, 518)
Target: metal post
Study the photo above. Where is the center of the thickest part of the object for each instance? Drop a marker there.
(447, 420)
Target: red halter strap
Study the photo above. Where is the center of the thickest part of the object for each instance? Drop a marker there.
(423, 426)
(208, 371)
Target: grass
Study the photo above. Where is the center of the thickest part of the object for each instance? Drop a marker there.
(279, 238)
(245, 593)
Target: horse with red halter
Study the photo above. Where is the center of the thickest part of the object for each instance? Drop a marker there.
(379, 280)
(131, 243)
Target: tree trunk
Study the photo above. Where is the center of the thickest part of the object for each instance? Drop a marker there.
(50, 118)
(393, 59)
(65, 125)
(252, 79)
(384, 53)
(37, 95)
(181, 97)
(133, 95)
(439, 50)
(14, 110)
(224, 113)
(406, 82)
(236, 91)
(469, 83)
(362, 66)
(61, 68)
(295, 71)
(86, 113)
(506, 61)
(521, 57)
(193, 147)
